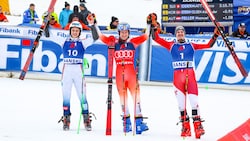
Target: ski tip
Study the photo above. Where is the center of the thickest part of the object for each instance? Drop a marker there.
(21, 78)
(108, 131)
(22, 75)
(245, 74)
(108, 134)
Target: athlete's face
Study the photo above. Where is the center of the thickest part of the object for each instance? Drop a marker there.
(242, 28)
(75, 32)
(180, 35)
(124, 34)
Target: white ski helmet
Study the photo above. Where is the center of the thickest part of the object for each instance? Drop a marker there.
(75, 24)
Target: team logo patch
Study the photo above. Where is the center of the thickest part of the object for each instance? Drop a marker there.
(124, 54)
(72, 45)
(181, 48)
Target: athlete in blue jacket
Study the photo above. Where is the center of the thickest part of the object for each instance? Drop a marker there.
(72, 74)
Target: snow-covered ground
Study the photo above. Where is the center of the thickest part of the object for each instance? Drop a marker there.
(131, 11)
(30, 110)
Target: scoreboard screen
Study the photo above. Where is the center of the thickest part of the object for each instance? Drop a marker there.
(192, 11)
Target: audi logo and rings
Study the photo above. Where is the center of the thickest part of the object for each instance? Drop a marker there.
(124, 54)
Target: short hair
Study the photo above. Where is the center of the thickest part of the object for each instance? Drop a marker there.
(32, 4)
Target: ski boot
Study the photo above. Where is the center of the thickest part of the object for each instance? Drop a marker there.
(198, 128)
(185, 130)
(87, 121)
(66, 122)
(127, 127)
(140, 125)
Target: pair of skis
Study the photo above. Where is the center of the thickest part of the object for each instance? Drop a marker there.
(225, 39)
(111, 50)
(43, 27)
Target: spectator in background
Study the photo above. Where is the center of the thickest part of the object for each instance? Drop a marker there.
(83, 1)
(85, 12)
(30, 16)
(53, 23)
(3, 18)
(76, 18)
(75, 13)
(53, 13)
(241, 32)
(64, 15)
(113, 24)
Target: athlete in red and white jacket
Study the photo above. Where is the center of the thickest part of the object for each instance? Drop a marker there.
(184, 80)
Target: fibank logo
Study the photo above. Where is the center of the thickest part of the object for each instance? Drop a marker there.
(8, 31)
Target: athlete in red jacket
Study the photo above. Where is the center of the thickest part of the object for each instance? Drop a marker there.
(125, 73)
(184, 80)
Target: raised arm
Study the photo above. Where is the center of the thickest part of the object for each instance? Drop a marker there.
(89, 41)
(161, 41)
(152, 20)
(210, 43)
(95, 29)
(140, 39)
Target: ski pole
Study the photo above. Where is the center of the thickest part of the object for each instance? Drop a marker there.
(85, 66)
(136, 92)
(124, 97)
(186, 93)
(225, 39)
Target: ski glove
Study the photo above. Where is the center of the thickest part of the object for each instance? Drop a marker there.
(217, 32)
(91, 18)
(151, 18)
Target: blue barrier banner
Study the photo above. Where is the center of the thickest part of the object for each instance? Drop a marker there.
(214, 65)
